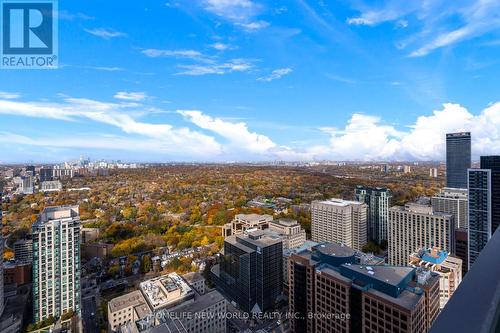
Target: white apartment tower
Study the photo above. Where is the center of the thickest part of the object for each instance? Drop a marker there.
(453, 201)
(339, 221)
(416, 226)
(56, 262)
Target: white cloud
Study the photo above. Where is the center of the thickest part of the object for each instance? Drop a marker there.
(235, 65)
(104, 68)
(474, 18)
(240, 12)
(131, 96)
(237, 134)
(237, 10)
(9, 95)
(276, 74)
(221, 46)
(254, 26)
(367, 138)
(364, 137)
(166, 136)
(156, 53)
(105, 33)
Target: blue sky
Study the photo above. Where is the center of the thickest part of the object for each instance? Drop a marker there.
(247, 80)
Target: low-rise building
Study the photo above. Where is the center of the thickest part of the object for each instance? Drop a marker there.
(243, 222)
(17, 272)
(166, 291)
(89, 235)
(291, 232)
(169, 304)
(125, 309)
(448, 267)
(196, 281)
(23, 250)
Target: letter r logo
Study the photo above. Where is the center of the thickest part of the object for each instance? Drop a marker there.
(27, 27)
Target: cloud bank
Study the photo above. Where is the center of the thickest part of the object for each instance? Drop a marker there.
(210, 138)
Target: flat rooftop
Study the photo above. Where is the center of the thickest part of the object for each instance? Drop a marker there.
(259, 238)
(435, 257)
(201, 302)
(393, 275)
(286, 222)
(335, 249)
(254, 218)
(165, 291)
(193, 277)
(132, 299)
(57, 213)
(338, 202)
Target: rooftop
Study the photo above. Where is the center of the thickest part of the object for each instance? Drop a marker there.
(308, 244)
(392, 275)
(335, 249)
(57, 212)
(134, 298)
(363, 280)
(193, 277)
(433, 255)
(253, 218)
(419, 209)
(201, 302)
(165, 291)
(258, 238)
(286, 222)
(338, 202)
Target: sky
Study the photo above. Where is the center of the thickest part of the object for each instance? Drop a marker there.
(254, 80)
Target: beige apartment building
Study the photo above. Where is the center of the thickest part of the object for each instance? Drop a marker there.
(416, 226)
(339, 221)
(448, 267)
(290, 231)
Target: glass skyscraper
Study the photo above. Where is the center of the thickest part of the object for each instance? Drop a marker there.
(458, 159)
(56, 262)
(493, 163)
(479, 185)
(378, 201)
(251, 271)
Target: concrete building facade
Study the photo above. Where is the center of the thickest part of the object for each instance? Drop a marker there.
(417, 226)
(331, 293)
(448, 267)
(339, 221)
(453, 201)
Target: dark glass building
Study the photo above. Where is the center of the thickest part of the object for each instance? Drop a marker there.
(458, 159)
(462, 248)
(378, 201)
(493, 163)
(46, 174)
(251, 270)
(479, 185)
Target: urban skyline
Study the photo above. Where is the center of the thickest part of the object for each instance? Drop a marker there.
(249, 166)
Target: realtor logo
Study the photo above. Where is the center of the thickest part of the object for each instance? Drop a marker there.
(28, 34)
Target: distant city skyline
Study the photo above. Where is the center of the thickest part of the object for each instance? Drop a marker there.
(253, 80)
